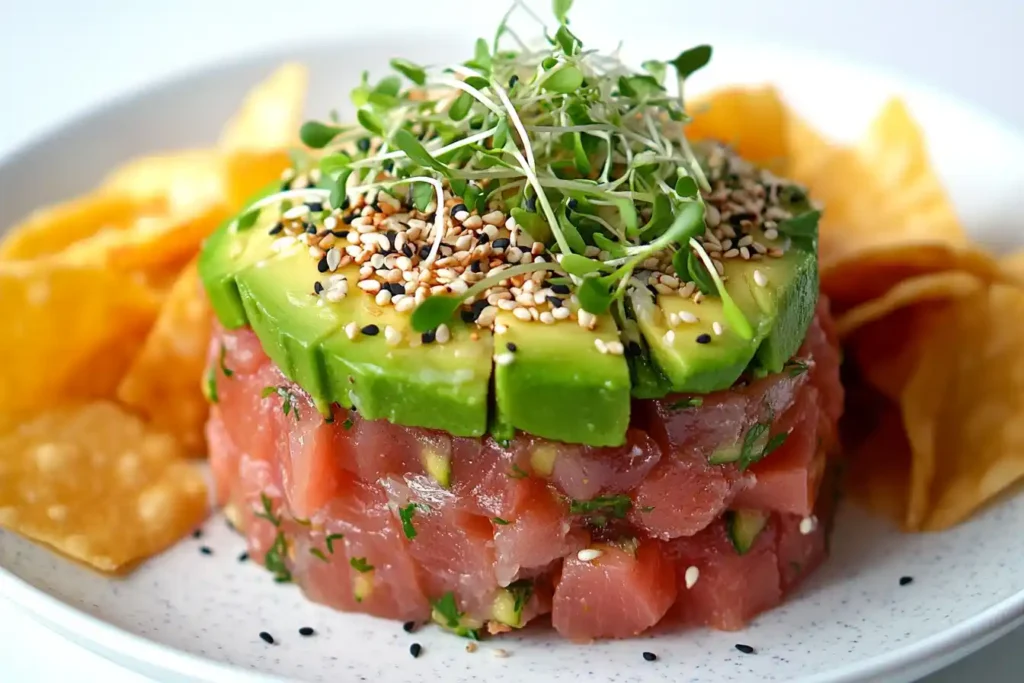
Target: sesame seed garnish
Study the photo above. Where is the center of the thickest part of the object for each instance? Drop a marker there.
(392, 336)
(471, 646)
(759, 278)
(771, 234)
(589, 554)
(704, 338)
(650, 657)
(243, 557)
(808, 525)
(409, 626)
(670, 337)
(370, 330)
(443, 335)
(691, 576)
(745, 649)
(415, 649)
(206, 550)
(904, 580)
(688, 317)
(500, 653)
(511, 347)
(504, 358)
(197, 533)
(716, 327)
(266, 638)
(306, 631)
(351, 330)
(601, 346)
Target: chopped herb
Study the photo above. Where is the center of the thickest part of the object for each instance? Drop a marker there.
(499, 521)
(522, 591)
(223, 368)
(448, 610)
(210, 386)
(268, 510)
(647, 508)
(361, 565)
(406, 514)
(329, 541)
(692, 402)
(275, 559)
(248, 219)
(319, 554)
(517, 472)
(757, 444)
(796, 367)
(598, 510)
(289, 401)
(347, 424)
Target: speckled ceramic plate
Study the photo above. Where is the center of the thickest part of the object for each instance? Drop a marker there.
(187, 616)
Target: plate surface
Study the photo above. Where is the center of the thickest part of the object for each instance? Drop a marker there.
(186, 616)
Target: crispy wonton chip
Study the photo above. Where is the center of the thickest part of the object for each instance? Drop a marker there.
(963, 409)
(97, 485)
(1012, 268)
(185, 182)
(877, 452)
(163, 383)
(69, 332)
(256, 141)
(751, 120)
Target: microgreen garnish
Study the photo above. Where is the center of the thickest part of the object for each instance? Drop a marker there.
(756, 443)
(598, 510)
(330, 539)
(248, 219)
(446, 613)
(347, 424)
(267, 512)
(288, 399)
(413, 72)
(522, 591)
(517, 472)
(319, 554)
(318, 135)
(228, 372)
(406, 514)
(361, 565)
(499, 521)
(210, 386)
(275, 559)
(796, 367)
(692, 402)
(802, 225)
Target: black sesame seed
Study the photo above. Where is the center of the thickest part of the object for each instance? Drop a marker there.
(511, 347)
(652, 290)
(475, 266)
(512, 81)
(424, 251)
(482, 238)
(392, 236)
(371, 330)
(554, 301)
(572, 204)
(315, 206)
(650, 657)
(397, 289)
(322, 264)
(375, 206)
(501, 243)
(345, 203)
(243, 557)
(737, 218)
(704, 338)
(459, 207)
(266, 637)
(560, 289)
(904, 580)
(340, 234)
(348, 218)
(198, 533)
(415, 649)
(478, 307)
(306, 631)
(363, 144)
(278, 227)
(206, 550)
(467, 316)
(531, 203)
(317, 287)
(407, 250)
(409, 626)
(428, 338)
(310, 228)
(745, 649)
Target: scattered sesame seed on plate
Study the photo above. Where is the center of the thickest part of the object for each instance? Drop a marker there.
(650, 657)
(808, 525)
(904, 580)
(500, 653)
(206, 550)
(760, 279)
(266, 637)
(691, 576)
(504, 358)
(306, 631)
(589, 554)
(745, 649)
(415, 650)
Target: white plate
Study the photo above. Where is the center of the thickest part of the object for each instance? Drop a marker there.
(186, 616)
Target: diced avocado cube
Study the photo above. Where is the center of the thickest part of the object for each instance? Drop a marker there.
(743, 527)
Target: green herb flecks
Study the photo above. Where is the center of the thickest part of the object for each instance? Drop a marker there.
(347, 424)
(522, 591)
(406, 514)
(330, 539)
(683, 404)
(598, 511)
(796, 367)
(275, 559)
(210, 386)
(289, 401)
(228, 372)
(319, 554)
(361, 565)
(517, 472)
(267, 511)
(499, 521)
(756, 443)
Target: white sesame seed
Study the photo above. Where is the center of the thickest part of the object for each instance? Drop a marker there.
(494, 218)
(686, 290)
(673, 320)
(760, 279)
(688, 317)
(745, 241)
(392, 336)
(522, 313)
(589, 554)
(771, 234)
(616, 348)
(500, 653)
(282, 243)
(670, 337)
(330, 223)
(371, 286)
(691, 576)
(442, 335)
(335, 294)
(383, 297)
(711, 215)
(333, 258)
(599, 343)
(500, 329)
(731, 253)
(464, 242)
(547, 318)
(487, 316)
(717, 328)
(745, 253)
(719, 268)
(316, 252)
(561, 313)
(507, 305)
(808, 525)
(504, 358)
(353, 237)
(461, 216)
(586, 319)
(351, 330)
(296, 212)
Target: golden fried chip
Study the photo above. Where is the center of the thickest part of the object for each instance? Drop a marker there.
(936, 287)
(963, 409)
(1012, 268)
(163, 383)
(751, 120)
(256, 141)
(151, 243)
(877, 454)
(52, 229)
(97, 485)
(69, 331)
(186, 182)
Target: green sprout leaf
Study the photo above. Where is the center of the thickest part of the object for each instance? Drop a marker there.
(461, 106)
(413, 72)
(333, 165)
(656, 68)
(690, 61)
(532, 223)
(577, 265)
(594, 295)
(422, 195)
(370, 121)
(566, 80)
(415, 150)
(698, 273)
(318, 135)
(565, 39)
(561, 8)
(803, 225)
(247, 220)
(686, 187)
(733, 315)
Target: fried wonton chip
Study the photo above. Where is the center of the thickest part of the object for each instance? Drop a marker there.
(877, 452)
(751, 120)
(963, 409)
(53, 228)
(163, 383)
(98, 485)
(255, 143)
(1012, 268)
(184, 182)
(69, 331)
(935, 287)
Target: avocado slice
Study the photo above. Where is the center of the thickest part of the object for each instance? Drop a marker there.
(776, 295)
(557, 384)
(743, 528)
(253, 280)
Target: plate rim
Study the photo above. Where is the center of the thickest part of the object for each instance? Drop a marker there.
(103, 638)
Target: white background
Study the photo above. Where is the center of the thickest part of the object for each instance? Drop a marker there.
(59, 58)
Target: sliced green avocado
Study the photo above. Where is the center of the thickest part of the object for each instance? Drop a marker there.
(557, 385)
(743, 527)
(438, 386)
(779, 311)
